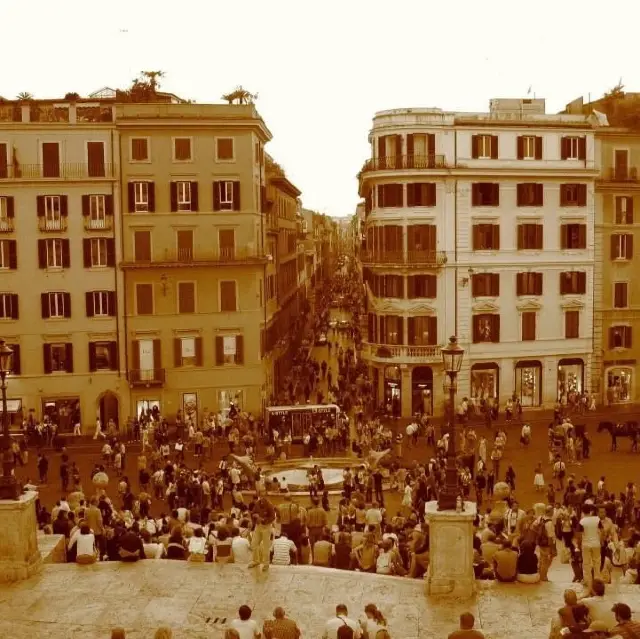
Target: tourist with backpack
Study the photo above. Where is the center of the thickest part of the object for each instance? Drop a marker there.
(545, 539)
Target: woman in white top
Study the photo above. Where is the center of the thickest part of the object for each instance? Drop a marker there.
(85, 542)
(374, 624)
(197, 546)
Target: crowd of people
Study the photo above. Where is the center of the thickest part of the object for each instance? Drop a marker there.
(182, 509)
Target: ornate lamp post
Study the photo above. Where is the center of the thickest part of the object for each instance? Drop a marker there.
(452, 356)
(8, 485)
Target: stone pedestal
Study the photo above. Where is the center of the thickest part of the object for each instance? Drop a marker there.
(19, 554)
(450, 551)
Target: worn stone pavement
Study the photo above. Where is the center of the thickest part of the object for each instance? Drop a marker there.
(67, 601)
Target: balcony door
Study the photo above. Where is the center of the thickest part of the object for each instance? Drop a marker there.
(185, 245)
(95, 159)
(227, 241)
(147, 360)
(50, 159)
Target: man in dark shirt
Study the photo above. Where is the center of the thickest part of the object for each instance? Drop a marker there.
(626, 628)
(263, 515)
(130, 547)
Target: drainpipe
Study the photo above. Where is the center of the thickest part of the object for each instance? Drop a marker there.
(455, 235)
(115, 272)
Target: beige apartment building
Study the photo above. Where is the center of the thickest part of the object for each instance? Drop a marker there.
(193, 256)
(58, 286)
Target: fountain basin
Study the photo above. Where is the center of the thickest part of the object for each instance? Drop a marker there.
(297, 481)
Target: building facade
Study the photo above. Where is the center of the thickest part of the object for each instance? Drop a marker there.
(479, 225)
(193, 256)
(59, 202)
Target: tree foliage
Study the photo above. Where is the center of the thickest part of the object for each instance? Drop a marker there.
(622, 109)
(240, 96)
(144, 88)
(24, 95)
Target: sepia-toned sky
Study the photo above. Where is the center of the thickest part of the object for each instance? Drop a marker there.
(322, 69)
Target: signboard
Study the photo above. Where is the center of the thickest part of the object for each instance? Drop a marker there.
(188, 348)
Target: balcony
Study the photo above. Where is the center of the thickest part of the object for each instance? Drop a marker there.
(411, 259)
(62, 171)
(188, 257)
(410, 162)
(146, 377)
(6, 225)
(402, 353)
(52, 226)
(621, 174)
(104, 224)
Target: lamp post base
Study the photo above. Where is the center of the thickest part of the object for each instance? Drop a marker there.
(9, 488)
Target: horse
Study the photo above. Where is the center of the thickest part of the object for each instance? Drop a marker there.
(623, 429)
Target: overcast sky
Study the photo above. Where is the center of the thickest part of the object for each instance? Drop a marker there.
(322, 69)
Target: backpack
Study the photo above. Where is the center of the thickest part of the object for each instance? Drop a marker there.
(345, 632)
(542, 536)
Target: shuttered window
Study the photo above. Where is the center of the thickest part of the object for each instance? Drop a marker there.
(186, 297)
(144, 299)
(228, 296)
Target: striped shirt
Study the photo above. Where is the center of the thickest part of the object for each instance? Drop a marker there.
(281, 548)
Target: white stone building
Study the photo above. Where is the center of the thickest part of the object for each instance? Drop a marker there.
(479, 225)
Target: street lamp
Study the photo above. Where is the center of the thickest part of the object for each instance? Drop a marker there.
(452, 356)
(8, 484)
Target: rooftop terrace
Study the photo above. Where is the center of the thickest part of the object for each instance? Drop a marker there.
(67, 601)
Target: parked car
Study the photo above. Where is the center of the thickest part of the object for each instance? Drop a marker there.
(343, 324)
(321, 340)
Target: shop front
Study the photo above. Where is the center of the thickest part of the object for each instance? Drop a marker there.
(528, 383)
(485, 383)
(15, 413)
(393, 388)
(190, 408)
(229, 396)
(619, 380)
(147, 409)
(570, 378)
(422, 390)
(62, 411)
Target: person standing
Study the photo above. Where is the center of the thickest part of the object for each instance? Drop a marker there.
(264, 515)
(590, 544)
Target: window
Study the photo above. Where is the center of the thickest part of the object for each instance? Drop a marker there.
(141, 196)
(573, 283)
(421, 194)
(226, 196)
(422, 331)
(98, 251)
(54, 254)
(187, 351)
(6, 213)
(573, 195)
(486, 237)
(620, 295)
(144, 299)
(620, 337)
(8, 306)
(624, 209)
(573, 148)
(100, 303)
(142, 246)
(530, 194)
(528, 326)
(55, 305)
(97, 210)
(4, 160)
(528, 284)
(186, 297)
(484, 147)
(485, 194)
(50, 160)
(224, 149)
(15, 367)
(390, 195)
(529, 147)
(184, 196)
(529, 237)
(52, 211)
(621, 246)
(573, 236)
(8, 254)
(227, 243)
(139, 149)
(58, 358)
(391, 330)
(229, 350)
(184, 239)
(486, 328)
(96, 166)
(392, 286)
(572, 324)
(485, 285)
(103, 356)
(182, 149)
(422, 286)
(228, 300)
